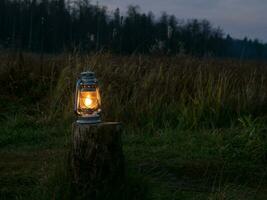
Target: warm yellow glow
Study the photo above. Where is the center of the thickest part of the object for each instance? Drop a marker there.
(89, 100)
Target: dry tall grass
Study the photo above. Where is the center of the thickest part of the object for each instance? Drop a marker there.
(142, 91)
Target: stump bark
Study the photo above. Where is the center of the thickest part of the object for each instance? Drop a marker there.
(97, 160)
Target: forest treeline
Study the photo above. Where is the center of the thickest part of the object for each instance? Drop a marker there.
(52, 26)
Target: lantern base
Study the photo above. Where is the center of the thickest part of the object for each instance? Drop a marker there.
(89, 120)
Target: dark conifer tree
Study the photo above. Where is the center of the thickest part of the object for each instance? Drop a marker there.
(53, 26)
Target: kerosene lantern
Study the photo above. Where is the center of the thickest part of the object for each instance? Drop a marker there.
(87, 99)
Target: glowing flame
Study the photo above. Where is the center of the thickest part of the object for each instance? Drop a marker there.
(88, 102)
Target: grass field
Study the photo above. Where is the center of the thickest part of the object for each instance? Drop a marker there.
(193, 128)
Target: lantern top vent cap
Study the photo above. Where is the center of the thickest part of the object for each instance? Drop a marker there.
(87, 74)
(88, 77)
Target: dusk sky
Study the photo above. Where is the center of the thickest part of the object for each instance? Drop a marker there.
(239, 18)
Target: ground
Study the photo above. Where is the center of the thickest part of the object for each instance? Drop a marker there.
(167, 164)
(194, 128)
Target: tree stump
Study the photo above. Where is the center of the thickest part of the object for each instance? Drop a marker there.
(97, 162)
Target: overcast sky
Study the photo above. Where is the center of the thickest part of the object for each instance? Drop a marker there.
(240, 18)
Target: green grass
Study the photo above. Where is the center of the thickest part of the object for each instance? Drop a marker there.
(193, 129)
(30, 151)
(166, 164)
(197, 163)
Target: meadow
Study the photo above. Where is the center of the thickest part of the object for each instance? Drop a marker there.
(194, 128)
